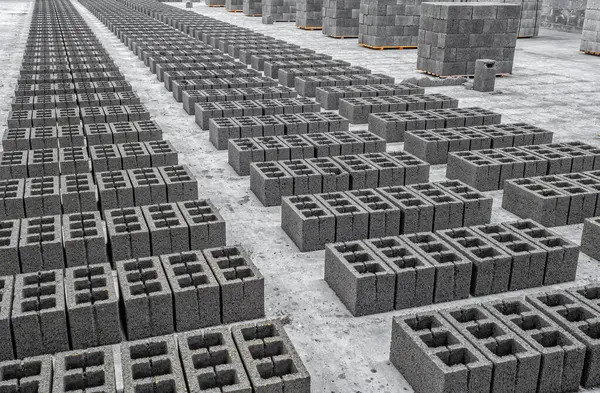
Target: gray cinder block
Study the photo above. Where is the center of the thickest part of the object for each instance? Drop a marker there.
(485, 75)
(84, 239)
(361, 280)
(242, 284)
(146, 298)
(89, 370)
(6, 302)
(39, 318)
(211, 360)
(384, 216)
(434, 357)
(270, 358)
(516, 364)
(562, 354)
(40, 244)
(589, 236)
(415, 276)
(196, 293)
(92, 306)
(181, 183)
(207, 228)
(114, 190)
(34, 373)
(269, 181)
(78, 193)
(307, 222)
(12, 194)
(168, 229)
(128, 234)
(351, 220)
(10, 231)
(42, 196)
(152, 364)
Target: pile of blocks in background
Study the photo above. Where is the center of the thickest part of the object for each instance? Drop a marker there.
(453, 35)
(543, 342)
(279, 11)
(340, 18)
(413, 270)
(309, 14)
(252, 7)
(590, 38)
(234, 5)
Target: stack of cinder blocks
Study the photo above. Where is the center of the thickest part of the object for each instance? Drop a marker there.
(279, 10)
(340, 18)
(309, 14)
(541, 342)
(311, 221)
(252, 7)
(589, 237)
(453, 35)
(590, 38)
(389, 23)
(392, 273)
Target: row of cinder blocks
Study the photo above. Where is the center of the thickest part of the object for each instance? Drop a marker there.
(51, 195)
(50, 137)
(77, 115)
(554, 200)
(272, 67)
(191, 97)
(306, 85)
(272, 180)
(179, 86)
(189, 290)
(311, 221)
(244, 151)
(221, 130)
(72, 76)
(329, 96)
(34, 89)
(53, 242)
(51, 311)
(488, 169)
(161, 68)
(434, 146)
(258, 61)
(544, 342)
(246, 51)
(393, 125)
(393, 273)
(245, 358)
(18, 164)
(205, 111)
(287, 76)
(73, 100)
(171, 76)
(357, 110)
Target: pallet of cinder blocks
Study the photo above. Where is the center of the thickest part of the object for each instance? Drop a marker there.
(504, 344)
(393, 125)
(388, 23)
(244, 151)
(234, 5)
(199, 360)
(340, 18)
(590, 38)
(488, 169)
(490, 31)
(279, 10)
(252, 7)
(433, 146)
(393, 273)
(311, 221)
(271, 181)
(309, 14)
(554, 200)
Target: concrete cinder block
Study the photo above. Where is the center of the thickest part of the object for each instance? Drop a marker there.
(151, 363)
(114, 190)
(361, 280)
(384, 216)
(307, 222)
(42, 196)
(351, 220)
(12, 194)
(128, 234)
(270, 358)
(34, 372)
(146, 298)
(168, 229)
(92, 306)
(269, 181)
(39, 318)
(180, 181)
(242, 284)
(84, 239)
(40, 244)
(78, 193)
(6, 302)
(207, 228)
(10, 231)
(91, 369)
(196, 292)
(434, 357)
(211, 360)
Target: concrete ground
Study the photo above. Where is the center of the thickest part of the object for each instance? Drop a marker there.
(553, 86)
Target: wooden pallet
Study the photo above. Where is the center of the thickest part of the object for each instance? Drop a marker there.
(310, 28)
(387, 47)
(253, 15)
(351, 37)
(457, 76)
(524, 36)
(216, 6)
(234, 10)
(587, 52)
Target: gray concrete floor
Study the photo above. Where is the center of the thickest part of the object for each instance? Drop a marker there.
(553, 86)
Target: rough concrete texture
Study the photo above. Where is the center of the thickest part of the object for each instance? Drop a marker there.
(342, 354)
